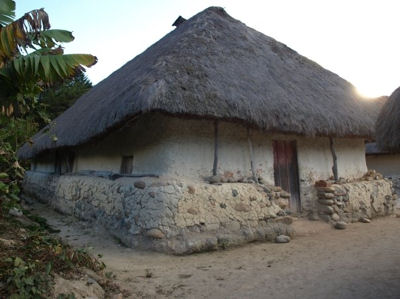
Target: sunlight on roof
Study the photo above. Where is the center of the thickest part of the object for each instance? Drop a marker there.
(368, 93)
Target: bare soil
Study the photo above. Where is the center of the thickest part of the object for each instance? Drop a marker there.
(362, 261)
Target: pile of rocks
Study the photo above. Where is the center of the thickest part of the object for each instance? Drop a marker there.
(355, 201)
(372, 175)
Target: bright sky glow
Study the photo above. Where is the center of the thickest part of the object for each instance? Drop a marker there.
(357, 39)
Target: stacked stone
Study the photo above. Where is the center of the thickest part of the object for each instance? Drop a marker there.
(278, 196)
(326, 202)
(356, 201)
(396, 183)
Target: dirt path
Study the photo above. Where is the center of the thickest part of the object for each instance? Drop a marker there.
(362, 261)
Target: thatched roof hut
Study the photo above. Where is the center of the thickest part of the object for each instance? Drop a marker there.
(388, 124)
(213, 66)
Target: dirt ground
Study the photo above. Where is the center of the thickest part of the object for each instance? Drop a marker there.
(362, 261)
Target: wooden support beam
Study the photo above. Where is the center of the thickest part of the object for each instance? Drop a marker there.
(334, 167)
(253, 172)
(215, 165)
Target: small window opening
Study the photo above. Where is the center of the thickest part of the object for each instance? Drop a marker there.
(69, 162)
(126, 165)
(34, 164)
(64, 162)
(58, 163)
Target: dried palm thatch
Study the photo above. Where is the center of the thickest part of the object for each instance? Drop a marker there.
(213, 66)
(388, 124)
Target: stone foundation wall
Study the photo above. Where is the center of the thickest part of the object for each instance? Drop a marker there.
(396, 186)
(356, 201)
(166, 214)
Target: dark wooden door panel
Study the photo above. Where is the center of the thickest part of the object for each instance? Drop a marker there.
(286, 171)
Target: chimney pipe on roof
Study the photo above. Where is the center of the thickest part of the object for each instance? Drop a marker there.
(179, 21)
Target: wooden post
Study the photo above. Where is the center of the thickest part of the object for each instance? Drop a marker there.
(253, 172)
(215, 165)
(334, 167)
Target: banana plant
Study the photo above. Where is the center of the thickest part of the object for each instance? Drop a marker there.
(32, 57)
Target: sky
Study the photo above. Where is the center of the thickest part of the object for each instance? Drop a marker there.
(356, 39)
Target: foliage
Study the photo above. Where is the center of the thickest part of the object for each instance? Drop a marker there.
(12, 133)
(24, 280)
(10, 175)
(29, 264)
(16, 131)
(59, 97)
(31, 58)
(31, 61)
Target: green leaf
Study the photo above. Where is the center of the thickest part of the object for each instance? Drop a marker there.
(7, 12)
(58, 35)
(36, 58)
(45, 63)
(14, 197)
(3, 187)
(29, 281)
(18, 262)
(48, 268)
(56, 65)
(17, 65)
(46, 68)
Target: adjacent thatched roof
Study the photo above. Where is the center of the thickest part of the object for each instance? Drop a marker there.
(371, 148)
(216, 67)
(388, 124)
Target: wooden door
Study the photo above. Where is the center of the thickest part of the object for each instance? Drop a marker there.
(286, 171)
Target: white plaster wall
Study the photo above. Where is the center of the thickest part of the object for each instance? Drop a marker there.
(185, 147)
(388, 165)
(189, 149)
(179, 147)
(350, 157)
(143, 139)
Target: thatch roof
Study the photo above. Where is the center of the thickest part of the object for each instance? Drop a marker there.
(213, 66)
(388, 124)
(372, 148)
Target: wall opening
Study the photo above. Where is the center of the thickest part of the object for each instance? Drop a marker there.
(286, 171)
(64, 162)
(126, 165)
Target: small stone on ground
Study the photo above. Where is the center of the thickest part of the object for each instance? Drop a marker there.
(365, 220)
(282, 239)
(340, 225)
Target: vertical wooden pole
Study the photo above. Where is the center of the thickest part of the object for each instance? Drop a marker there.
(215, 165)
(334, 167)
(253, 172)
